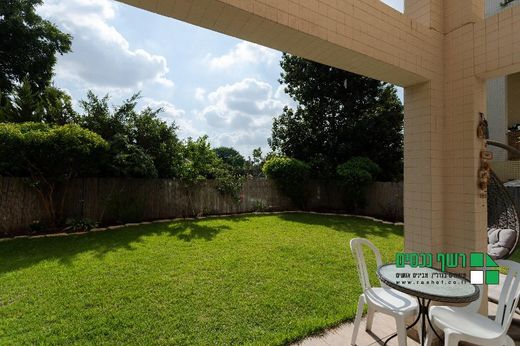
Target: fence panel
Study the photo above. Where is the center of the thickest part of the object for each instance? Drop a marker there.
(122, 200)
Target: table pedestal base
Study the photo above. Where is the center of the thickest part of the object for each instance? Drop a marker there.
(423, 316)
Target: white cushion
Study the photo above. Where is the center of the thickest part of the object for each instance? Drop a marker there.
(500, 242)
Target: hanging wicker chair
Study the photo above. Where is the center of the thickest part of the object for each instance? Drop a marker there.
(502, 212)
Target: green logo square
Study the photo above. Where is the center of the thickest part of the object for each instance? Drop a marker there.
(490, 262)
(492, 277)
(476, 259)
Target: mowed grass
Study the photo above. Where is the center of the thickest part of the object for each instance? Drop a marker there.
(265, 280)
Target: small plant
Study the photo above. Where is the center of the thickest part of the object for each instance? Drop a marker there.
(356, 174)
(260, 206)
(290, 175)
(79, 224)
(36, 226)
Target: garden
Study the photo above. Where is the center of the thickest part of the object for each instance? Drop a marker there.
(105, 237)
(251, 279)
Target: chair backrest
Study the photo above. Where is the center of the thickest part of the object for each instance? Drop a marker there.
(356, 246)
(509, 295)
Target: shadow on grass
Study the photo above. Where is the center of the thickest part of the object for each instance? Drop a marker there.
(189, 231)
(17, 254)
(359, 226)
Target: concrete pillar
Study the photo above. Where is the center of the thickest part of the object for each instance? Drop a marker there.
(443, 208)
(465, 211)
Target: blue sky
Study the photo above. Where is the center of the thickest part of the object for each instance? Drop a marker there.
(207, 83)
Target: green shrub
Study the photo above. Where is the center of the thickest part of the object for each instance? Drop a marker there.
(356, 174)
(290, 175)
(228, 183)
(126, 159)
(199, 162)
(80, 224)
(358, 171)
(49, 155)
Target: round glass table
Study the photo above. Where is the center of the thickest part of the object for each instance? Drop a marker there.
(427, 284)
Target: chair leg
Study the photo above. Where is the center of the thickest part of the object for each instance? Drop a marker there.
(370, 318)
(509, 341)
(357, 321)
(429, 335)
(401, 330)
(451, 338)
(428, 341)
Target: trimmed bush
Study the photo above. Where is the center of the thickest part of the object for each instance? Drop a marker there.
(49, 155)
(356, 174)
(290, 175)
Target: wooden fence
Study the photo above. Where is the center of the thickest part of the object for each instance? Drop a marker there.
(116, 200)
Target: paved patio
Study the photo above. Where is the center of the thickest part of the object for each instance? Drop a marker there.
(382, 328)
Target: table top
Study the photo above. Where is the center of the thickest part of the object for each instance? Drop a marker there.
(428, 283)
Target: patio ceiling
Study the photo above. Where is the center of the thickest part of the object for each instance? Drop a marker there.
(365, 37)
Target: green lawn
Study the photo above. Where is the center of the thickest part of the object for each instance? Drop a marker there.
(265, 280)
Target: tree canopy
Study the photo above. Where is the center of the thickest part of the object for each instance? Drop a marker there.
(232, 158)
(332, 124)
(50, 105)
(141, 144)
(29, 45)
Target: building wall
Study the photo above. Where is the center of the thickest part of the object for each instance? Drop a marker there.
(496, 115)
(496, 100)
(513, 98)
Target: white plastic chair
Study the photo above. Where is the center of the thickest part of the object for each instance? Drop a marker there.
(380, 299)
(463, 324)
(471, 308)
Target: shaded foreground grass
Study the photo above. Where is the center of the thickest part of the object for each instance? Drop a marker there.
(267, 280)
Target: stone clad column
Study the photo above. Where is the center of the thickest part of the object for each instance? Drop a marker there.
(465, 211)
(443, 208)
(423, 136)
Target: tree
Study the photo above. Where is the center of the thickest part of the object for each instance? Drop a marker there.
(56, 106)
(98, 117)
(331, 124)
(200, 162)
(157, 139)
(126, 159)
(29, 45)
(254, 165)
(137, 138)
(232, 158)
(50, 105)
(24, 105)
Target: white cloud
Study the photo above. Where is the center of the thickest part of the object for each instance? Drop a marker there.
(244, 53)
(101, 56)
(240, 114)
(247, 104)
(200, 94)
